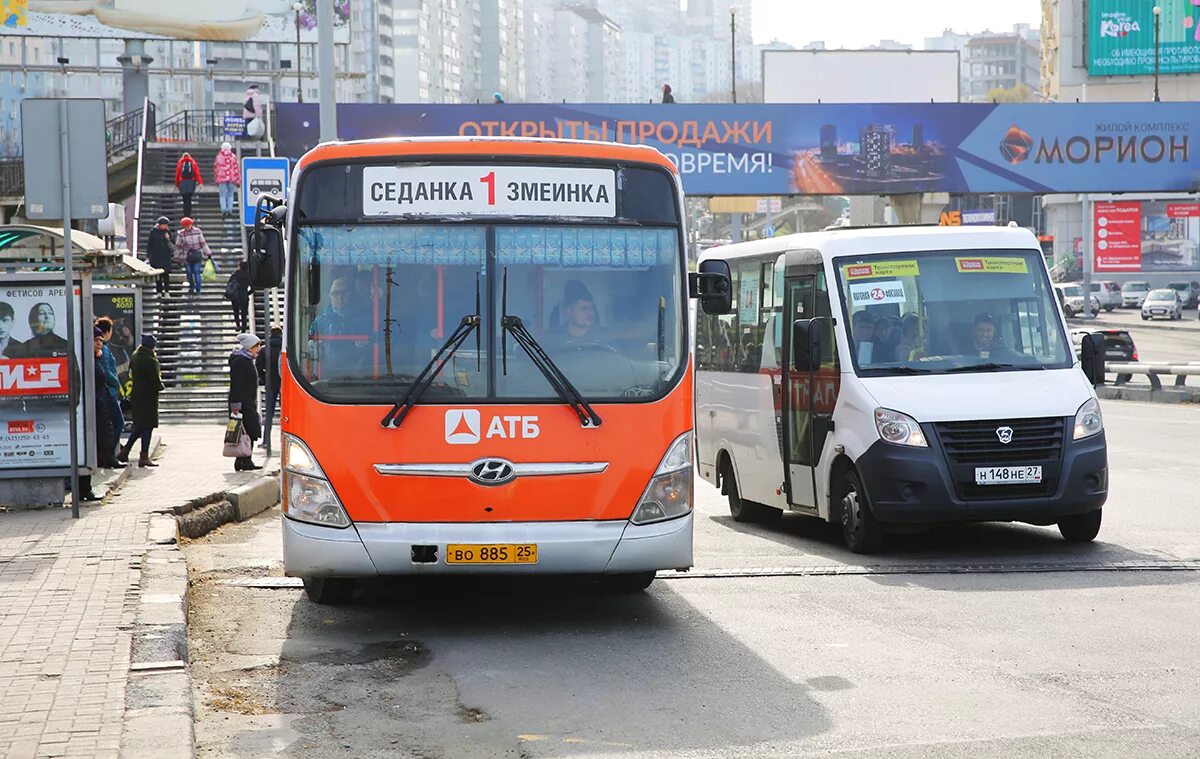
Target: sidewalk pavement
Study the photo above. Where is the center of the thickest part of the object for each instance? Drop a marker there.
(70, 592)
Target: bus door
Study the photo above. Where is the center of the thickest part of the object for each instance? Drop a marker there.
(809, 397)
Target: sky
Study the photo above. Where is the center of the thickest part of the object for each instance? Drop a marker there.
(858, 23)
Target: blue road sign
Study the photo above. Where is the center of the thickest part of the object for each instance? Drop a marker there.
(768, 231)
(262, 176)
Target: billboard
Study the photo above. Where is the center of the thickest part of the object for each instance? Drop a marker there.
(210, 20)
(121, 305)
(830, 149)
(1147, 236)
(1121, 37)
(860, 76)
(34, 367)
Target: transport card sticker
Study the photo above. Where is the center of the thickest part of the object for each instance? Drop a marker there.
(992, 265)
(883, 269)
(876, 293)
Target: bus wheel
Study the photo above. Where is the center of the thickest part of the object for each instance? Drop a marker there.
(328, 591)
(741, 510)
(627, 583)
(1081, 528)
(859, 529)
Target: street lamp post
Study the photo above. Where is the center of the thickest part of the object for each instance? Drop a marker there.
(297, 7)
(1157, 25)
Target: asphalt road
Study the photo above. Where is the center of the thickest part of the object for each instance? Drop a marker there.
(1156, 341)
(958, 642)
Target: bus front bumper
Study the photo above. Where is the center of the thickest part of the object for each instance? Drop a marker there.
(368, 549)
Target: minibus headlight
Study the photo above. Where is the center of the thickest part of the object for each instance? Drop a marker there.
(669, 494)
(899, 429)
(312, 500)
(297, 458)
(1088, 420)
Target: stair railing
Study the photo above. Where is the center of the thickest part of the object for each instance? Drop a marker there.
(147, 133)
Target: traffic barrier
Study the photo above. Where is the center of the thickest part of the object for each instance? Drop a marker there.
(1153, 372)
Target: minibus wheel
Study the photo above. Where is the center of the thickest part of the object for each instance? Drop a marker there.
(740, 509)
(1081, 528)
(860, 530)
(627, 583)
(328, 591)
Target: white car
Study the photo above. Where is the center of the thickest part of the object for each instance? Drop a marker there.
(1108, 293)
(1162, 304)
(1133, 293)
(1071, 298)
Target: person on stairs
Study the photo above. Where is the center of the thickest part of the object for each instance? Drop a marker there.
(146, 371)
(243, 393)
(160, 250)
(228, 176)
(187, 180)
(106, 457)
(191, 247)
(237, 292)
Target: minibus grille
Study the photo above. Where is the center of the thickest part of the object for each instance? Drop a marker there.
(978, 442)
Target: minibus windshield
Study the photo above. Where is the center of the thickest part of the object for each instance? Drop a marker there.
(374, 302)
(951, 312)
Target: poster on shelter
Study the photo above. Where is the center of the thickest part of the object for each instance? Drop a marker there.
(34, 371)
(120, 306)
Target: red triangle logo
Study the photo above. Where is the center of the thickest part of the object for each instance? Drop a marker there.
(463, 428)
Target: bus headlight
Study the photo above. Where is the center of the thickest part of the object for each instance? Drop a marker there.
(1088, 420)
(307, 494)
(669, 494)
(899, 429)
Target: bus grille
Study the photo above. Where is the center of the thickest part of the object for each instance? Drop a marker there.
(977, 442)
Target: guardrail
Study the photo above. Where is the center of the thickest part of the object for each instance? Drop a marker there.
(195, 126)
(148, 126)
(1180, 372)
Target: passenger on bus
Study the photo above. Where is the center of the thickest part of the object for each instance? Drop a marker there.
(884, 341)
(911, 346)
(862, 332)
(333, 330)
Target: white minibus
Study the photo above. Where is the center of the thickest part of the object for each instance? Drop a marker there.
(888, 378)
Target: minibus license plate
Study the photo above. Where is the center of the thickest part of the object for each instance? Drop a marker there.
(1007, 475)
(493, 553)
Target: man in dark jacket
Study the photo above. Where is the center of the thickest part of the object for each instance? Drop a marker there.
(146, 372)
(270, 380)
(112, 386)
(237, 292)
(160, 249)
(243, 392)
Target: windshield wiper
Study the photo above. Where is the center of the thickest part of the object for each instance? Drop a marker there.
(991, 367)
(587, 415)
(470, 323)
(903, 370)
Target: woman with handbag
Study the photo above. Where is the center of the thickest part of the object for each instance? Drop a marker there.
(147, 384)
(191, 246)
(243, 397)
(187, 180)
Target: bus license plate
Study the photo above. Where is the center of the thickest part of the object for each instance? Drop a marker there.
(1007, 475)
(498, 553)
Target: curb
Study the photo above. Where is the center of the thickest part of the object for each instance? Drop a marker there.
(1146, 395)
(1100, 323)
(159, 717)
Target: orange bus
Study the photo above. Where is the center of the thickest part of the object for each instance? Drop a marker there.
(486, 364)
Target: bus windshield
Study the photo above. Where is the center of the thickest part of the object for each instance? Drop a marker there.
(374, 302)
(953, 311)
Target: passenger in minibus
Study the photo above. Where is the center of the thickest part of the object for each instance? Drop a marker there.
(884, 341)
(911, 346)
(862, 333)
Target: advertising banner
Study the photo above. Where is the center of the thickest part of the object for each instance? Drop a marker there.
(831, 149)
(1118, 230)
(211, 20)
(1121, 37)
(120, 305)
(34, 370)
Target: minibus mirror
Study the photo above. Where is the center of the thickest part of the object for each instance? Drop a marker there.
(314, 282)
(1091, 358)
(713, 286)
(806, 345)
(265, 260)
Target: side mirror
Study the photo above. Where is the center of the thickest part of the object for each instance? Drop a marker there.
(806, 345)
(265, 261)
(713, 286)
(1091, 358)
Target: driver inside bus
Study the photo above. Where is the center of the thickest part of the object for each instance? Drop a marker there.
(577, 319)
(986, 344)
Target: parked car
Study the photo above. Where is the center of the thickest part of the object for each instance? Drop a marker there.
(1133, 293)
(1071, 298)
(1118, 344)
(1189, 292)
(1108, 293)
(1162, 304)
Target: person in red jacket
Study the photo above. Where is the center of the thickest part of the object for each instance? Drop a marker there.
(187, 180)
(228, 176)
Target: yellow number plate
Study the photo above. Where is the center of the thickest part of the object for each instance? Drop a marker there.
(496, 553)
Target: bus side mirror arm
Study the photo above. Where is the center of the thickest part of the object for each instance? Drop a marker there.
(806, 345)
(1091, 358)
(713, 286)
